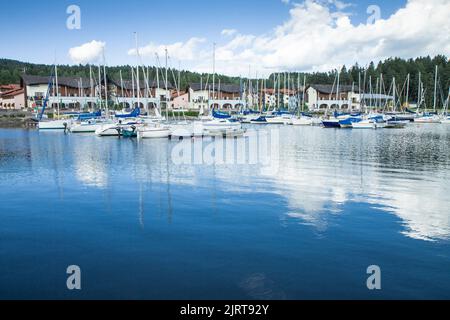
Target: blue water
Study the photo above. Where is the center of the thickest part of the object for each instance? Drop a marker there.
(142, 227)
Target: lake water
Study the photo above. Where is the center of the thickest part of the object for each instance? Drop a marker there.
(141, 226)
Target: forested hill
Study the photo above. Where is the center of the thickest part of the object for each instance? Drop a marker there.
(10, 71)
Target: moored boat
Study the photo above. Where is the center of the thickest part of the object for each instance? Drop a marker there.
(331, 123)
(301, 121)
(364, 124)
(155, 131)
(62, 124)
(427, 119)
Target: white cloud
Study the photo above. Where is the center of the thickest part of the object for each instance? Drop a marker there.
(228, 32)
(87, 53)
(319, 36)
(188, 50)
(285, 1)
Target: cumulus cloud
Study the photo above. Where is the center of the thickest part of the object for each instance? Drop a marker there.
(188, 50)
(318, 36)
(228, 32)
(87, 53)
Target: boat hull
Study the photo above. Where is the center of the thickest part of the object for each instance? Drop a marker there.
(85, 128)
(301, 121)
(331, 124)
(364, 125)
(54, 125)
(278, 120)
(108, 131)
(427, 120)
(153, 133)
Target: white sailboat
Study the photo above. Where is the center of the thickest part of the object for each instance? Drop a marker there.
(426, 117)
(153, 131)
(364, 124)
(445, 116)
(63, 123)
(59, 124)
(301, 120)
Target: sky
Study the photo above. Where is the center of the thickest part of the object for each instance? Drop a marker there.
(251, 36)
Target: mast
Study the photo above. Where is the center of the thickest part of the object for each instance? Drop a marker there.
(419, 92)
(57, 89)
(138, 89)
(121, 85)
(214, 69)
(381, 86)
(299, 101)
(81, 93)
(304, 92)
(435, 88)
(337, 88)
(157, 81)
(167, 85)
(407, 90)
(132, 84)
(359, 91)
(99, 90)
(106, 83)
(91, 82)
(394, 94)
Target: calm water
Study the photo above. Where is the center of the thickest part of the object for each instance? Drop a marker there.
(141, 227)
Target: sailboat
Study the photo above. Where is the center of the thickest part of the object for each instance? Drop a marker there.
(426, 117)
(302, 119)
(445, 116)
(335, 120)
(156, 129)
(153, 131)
(219, 121)
(90, 122)
(61, 123)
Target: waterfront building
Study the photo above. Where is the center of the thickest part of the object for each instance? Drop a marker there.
(125, 92)
(223, 96)
(71, 92)
(13, 99)
(324, 96)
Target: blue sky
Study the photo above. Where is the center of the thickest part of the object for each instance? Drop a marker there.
(36, 30)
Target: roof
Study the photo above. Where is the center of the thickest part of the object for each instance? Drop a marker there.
(12, 93)
(8, 87)
(128, 84)
(330, 89)
(71, 82)
(225, 88)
